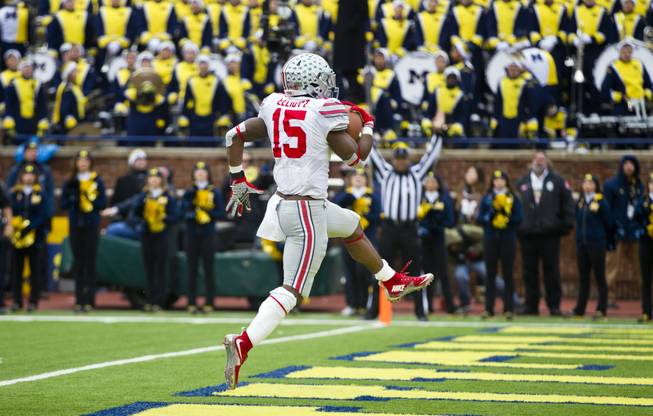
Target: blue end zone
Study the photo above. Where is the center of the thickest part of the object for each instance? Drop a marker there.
(498, 359)
(400, 388)
(413, 344)
(490, 330)
(597, 367)
(348, 409)
(282, 372)
(428, 380)
(350, 357)
(371, 399)
(207, 391)
(129, 409)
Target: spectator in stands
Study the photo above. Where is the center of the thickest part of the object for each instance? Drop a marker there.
(460, 59)
(83, 196)
(502, 35)
(6, 225)
(627, 84)
(360, 198)
(25, 103)
(549, 30)
(182, 10)
(196, 27)
(125, 193)
(148, 109)
(396, 32)
(29, 207)
(385, 94)
(165, 61)
(436, 78)
(435, 213)
(116, 27)
(70, 26)
(69, 102)
(255, 8)
(623, 193)
(513, 107)
(429, 24)
(157, 208)
(11, 58)
(85, 74)
(471, 195)
(202, 205)
(237, 88)
(205, 99)
(119, 84)
(157, 20)
(548, 215)
(465, 26)
(645, 216)
(15, 27)
(314, 27)
(500, 214)
(258, 67)
(183, 71)
(630, 24)
(591, 29)
(234, 25)
(448, 106)
(593, 237)
(388, 8)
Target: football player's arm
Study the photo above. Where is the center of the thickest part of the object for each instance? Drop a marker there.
(248, 131)
(344, 146)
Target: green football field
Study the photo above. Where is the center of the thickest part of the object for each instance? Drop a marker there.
(118, 364)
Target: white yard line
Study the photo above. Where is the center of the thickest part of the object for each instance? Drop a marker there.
(194, 351)
(118, 319)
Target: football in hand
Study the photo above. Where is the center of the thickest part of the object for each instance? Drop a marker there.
(355, 124)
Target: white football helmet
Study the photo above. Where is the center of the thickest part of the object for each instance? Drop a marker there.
(309, 74)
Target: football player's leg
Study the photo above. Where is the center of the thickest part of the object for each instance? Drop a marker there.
(344, 223)
(304, 224)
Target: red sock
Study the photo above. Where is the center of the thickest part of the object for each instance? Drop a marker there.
(246, 345)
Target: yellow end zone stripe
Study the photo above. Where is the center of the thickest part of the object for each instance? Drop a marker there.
(557, 339)
(517, 329)
(414, 374)
(352, 392)
(464, 358)
(243, 410)
(510, 346)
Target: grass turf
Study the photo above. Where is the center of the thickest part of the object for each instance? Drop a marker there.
(29, 348)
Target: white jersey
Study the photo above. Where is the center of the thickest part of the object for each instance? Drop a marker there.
(298, 129)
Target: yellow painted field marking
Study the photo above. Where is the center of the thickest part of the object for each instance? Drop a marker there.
(242, 410)
(464, 358)
(408, 374)
(516, 329)
(557, 339)
(510, 346)
(351, 392)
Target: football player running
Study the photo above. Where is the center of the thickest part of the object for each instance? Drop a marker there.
(303, 123)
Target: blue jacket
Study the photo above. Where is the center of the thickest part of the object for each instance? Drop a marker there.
(171, 210)
(619, 194)
(33, 207)
(46, 179)
(435, 216)
(70, 201)
(487, 213)
(594, 223)
(188, 208)
(369, 209)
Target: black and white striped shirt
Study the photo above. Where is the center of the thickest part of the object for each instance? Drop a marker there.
(401, 193)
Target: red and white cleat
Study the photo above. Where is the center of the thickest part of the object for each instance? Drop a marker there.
(236, 347)
(402, 284)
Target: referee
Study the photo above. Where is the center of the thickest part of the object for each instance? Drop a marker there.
(401, 193)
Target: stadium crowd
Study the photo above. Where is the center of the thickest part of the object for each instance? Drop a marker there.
(70, 66)
(405, 209)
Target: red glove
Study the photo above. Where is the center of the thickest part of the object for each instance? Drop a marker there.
(368, 119)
